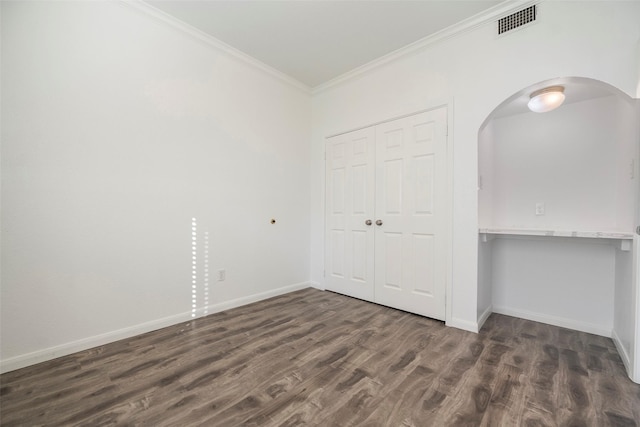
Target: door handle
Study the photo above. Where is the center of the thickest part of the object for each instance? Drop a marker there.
(368, 222)
(379, 222)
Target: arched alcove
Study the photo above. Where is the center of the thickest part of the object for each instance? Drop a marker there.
(558, 200)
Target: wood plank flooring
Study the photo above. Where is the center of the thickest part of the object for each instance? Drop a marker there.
(320, 359)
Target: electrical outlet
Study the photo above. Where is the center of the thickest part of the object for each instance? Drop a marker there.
(539, 209)
(222, 275)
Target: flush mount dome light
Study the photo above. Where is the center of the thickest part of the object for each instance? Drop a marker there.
(546, 99)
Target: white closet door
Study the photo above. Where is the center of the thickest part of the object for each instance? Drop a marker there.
(349, 204)
(410, 243)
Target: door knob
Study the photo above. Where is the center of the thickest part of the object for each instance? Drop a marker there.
(379, 222)
(368, 222)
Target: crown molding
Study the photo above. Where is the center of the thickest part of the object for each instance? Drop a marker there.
(213, 42)
(492, 14)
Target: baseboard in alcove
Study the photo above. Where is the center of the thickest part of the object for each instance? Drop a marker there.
(624, 355)
(484, 316)
(465, 325)
(554, 320)
(65, 349)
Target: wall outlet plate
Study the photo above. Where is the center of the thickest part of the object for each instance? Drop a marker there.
(539, 208)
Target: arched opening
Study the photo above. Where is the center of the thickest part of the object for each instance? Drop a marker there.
(558, 200)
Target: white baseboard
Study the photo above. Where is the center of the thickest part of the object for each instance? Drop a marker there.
(238, 302)
(463, 324)
(317, 285)
(624, 354)
(484, 316)
(50, 353)
(554, 320)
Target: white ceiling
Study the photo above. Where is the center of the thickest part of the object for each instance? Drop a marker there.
(316, 41)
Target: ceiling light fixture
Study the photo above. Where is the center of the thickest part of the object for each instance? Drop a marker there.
(546, 99)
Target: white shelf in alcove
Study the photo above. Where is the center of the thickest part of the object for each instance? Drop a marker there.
(616, 235)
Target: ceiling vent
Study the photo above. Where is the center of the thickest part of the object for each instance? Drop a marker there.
(517, 19)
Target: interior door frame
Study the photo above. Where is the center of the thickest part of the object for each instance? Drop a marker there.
(449, 105)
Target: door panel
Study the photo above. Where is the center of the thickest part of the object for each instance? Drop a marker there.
(423, 190)
(411, 188)
(392, 243)
(350, 193)
(359, 256)
(393, 174)
(336, 263)
(423, 249)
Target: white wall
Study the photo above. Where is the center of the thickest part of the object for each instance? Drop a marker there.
(485, 279)
(567, 282)
(628, 130)
(624, 305)
(486, 138)
(485, 217)
(626, 330)
(574, 159)
(117, 129)
(475, 71)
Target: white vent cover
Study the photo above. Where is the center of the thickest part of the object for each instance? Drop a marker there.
(517, 19)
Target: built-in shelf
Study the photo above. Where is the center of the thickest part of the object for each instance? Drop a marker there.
(558, 233)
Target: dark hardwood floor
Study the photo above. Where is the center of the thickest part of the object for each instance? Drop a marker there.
(321, 359)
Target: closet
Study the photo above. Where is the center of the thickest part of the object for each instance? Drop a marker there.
(386, 213)
(558, 202)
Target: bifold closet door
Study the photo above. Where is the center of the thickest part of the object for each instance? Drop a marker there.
(410, 242)
(350, 169)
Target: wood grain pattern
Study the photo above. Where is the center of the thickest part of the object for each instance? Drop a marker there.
(320, 359)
